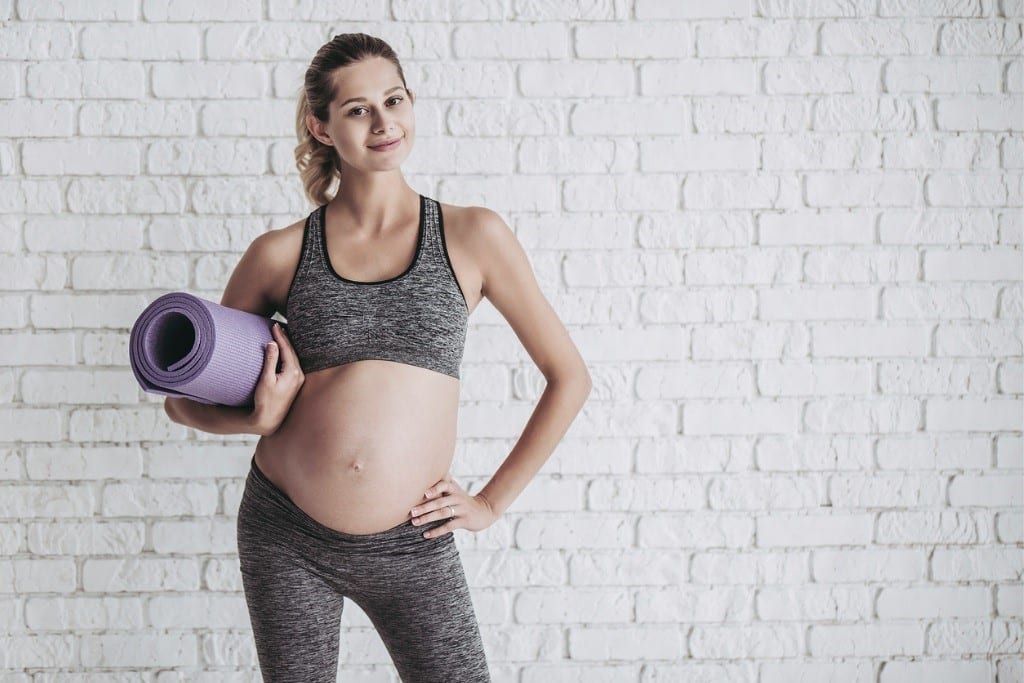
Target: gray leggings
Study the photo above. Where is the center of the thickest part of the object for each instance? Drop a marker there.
(297, 572)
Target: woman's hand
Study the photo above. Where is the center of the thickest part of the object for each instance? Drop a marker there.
(473, 513)
(275, 391)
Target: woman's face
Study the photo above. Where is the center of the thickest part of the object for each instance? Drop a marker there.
(371, 106)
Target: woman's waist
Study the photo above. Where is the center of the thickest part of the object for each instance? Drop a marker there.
(354, 490)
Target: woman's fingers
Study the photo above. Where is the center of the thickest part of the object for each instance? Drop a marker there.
(289, 359)
(270, 359)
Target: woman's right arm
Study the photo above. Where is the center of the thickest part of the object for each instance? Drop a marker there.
(262, 264)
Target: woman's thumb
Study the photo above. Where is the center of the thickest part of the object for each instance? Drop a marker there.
(270, 358)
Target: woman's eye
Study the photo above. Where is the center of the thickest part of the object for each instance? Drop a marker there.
(396, 97)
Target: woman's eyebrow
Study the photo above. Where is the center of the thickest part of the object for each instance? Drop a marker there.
(363, 99)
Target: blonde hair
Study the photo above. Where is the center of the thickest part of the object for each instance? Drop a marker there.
(318, 164)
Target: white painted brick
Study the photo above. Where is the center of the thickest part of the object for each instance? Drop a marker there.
(662, 39)
(693, 530)
(86, 310)
(865, 640)
(934, 602)
(749, 114)
(814, 530)
(168, 41)
(618, 643)
(32, 272)
(66, 234)
(627, 567)
(617, 118)
(194, 536)
(808, 670)
(37, 42)
(885, 490)
(942, 8)
(132, 649)
(866, 341)
(981, 37)
(857, 37)
(937, 226)
(533, 41)
(816, 453)
(698, 77)
(781, 303)
(822, 75)
(810, 8)
(972, 415)
(86, 538)
(750, 341)
(979, 112)
(648, 493)
(852, 112)
(927, 74)
(936, 671)
(140, 574)
(765, 492)
(212, 611)
(43, 576)
(956, 152)
(938, 377)
(89, 156)
(1010, 601)
(146, 498)
(42, 650)
(815, 603)
(942, 189)
(101, 10)
(84, 613)
(61, 500)
(740, 641)
(72, 386)
(222, 575)
(713, 152)
(115, 271)
(83, 463)
(570, 606)
(978, 564)
(826, 151)
(725, 9)
(750, 39)
(13, 311)
(31, 424)
(113, 424)
(844, 566)
(575, 531)
(988, 491)
(974, 636)
(703, 604)
(93, 79)
(933, 526)
(736, 417)
(745, 191)
(37, 349)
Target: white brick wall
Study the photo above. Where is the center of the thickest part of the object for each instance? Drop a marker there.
(786, 235)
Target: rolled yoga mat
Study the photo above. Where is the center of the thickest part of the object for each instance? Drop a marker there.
(186, 346)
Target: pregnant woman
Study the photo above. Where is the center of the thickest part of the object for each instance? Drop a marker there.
(349, 493)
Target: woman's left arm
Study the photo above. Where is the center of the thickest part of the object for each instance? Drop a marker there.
(509, 284)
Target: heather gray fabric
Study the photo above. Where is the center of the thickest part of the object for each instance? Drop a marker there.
(296, 574)
(418, 317)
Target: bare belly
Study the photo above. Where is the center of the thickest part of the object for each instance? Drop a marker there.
(362, 442)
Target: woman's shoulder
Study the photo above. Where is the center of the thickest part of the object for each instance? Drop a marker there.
(276, 255)
(470, 226)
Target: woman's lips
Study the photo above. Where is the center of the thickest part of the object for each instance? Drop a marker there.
(385, 148)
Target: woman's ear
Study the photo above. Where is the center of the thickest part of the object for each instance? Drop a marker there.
(316, 129)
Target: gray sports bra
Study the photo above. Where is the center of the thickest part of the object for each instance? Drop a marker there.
(417, 318)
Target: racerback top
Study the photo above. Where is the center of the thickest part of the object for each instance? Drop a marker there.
(417, 318)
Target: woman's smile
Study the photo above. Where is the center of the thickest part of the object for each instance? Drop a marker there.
(385, 148)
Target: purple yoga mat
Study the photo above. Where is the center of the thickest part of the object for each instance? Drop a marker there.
(186, 346)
